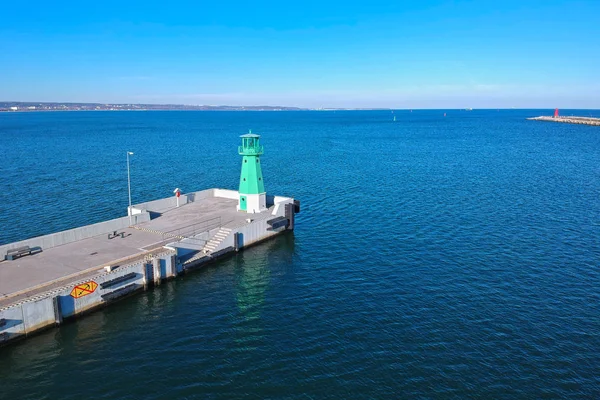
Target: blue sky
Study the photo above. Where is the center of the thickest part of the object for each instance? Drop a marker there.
(398, 54)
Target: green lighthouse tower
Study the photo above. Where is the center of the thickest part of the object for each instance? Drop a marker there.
(253, 198)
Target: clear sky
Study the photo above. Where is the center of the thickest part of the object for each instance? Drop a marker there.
(369, 53)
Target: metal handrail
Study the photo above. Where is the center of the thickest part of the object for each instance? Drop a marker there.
(191, 230)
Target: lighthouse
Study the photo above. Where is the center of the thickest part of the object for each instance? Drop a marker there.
(252, 195)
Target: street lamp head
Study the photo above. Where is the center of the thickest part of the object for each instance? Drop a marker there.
(130, 153)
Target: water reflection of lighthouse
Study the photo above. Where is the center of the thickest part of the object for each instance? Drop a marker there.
(253, 277)
(255, 269)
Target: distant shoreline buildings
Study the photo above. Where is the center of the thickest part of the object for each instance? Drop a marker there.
(31, 106)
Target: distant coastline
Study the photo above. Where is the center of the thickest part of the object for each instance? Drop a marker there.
(17, 106)
(14, 106)
(22, 106)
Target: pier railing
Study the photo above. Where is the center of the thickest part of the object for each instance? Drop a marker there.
(189, 231)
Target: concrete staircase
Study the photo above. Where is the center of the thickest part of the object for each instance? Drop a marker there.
(216, 240)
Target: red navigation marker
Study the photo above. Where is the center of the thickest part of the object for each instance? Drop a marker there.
(177, 192)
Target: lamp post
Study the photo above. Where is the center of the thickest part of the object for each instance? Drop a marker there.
(129, 153)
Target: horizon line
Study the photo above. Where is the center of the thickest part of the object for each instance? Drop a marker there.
(281, 107)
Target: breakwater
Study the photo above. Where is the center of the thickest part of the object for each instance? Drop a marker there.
(569, 120)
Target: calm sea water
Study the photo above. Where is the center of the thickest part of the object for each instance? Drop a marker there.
(434, 257)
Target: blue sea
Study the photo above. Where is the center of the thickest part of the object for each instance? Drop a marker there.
(434, 257)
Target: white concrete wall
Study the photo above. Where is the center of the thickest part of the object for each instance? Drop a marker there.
(226, 194)
(134, 211)
(38, 314)
(162, 205)
(15, 325)
(73, 235)
(171, 266)
(255, 203)
(280, 202)
(281, 199)
(255, 232)
(27, 317)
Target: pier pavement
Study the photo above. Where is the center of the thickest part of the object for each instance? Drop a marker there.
(58, 266)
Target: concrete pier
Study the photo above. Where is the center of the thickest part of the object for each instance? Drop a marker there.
(76, 271)
(85, 268)
(569, 120)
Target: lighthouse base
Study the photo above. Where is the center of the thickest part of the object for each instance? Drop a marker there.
(252, 203)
